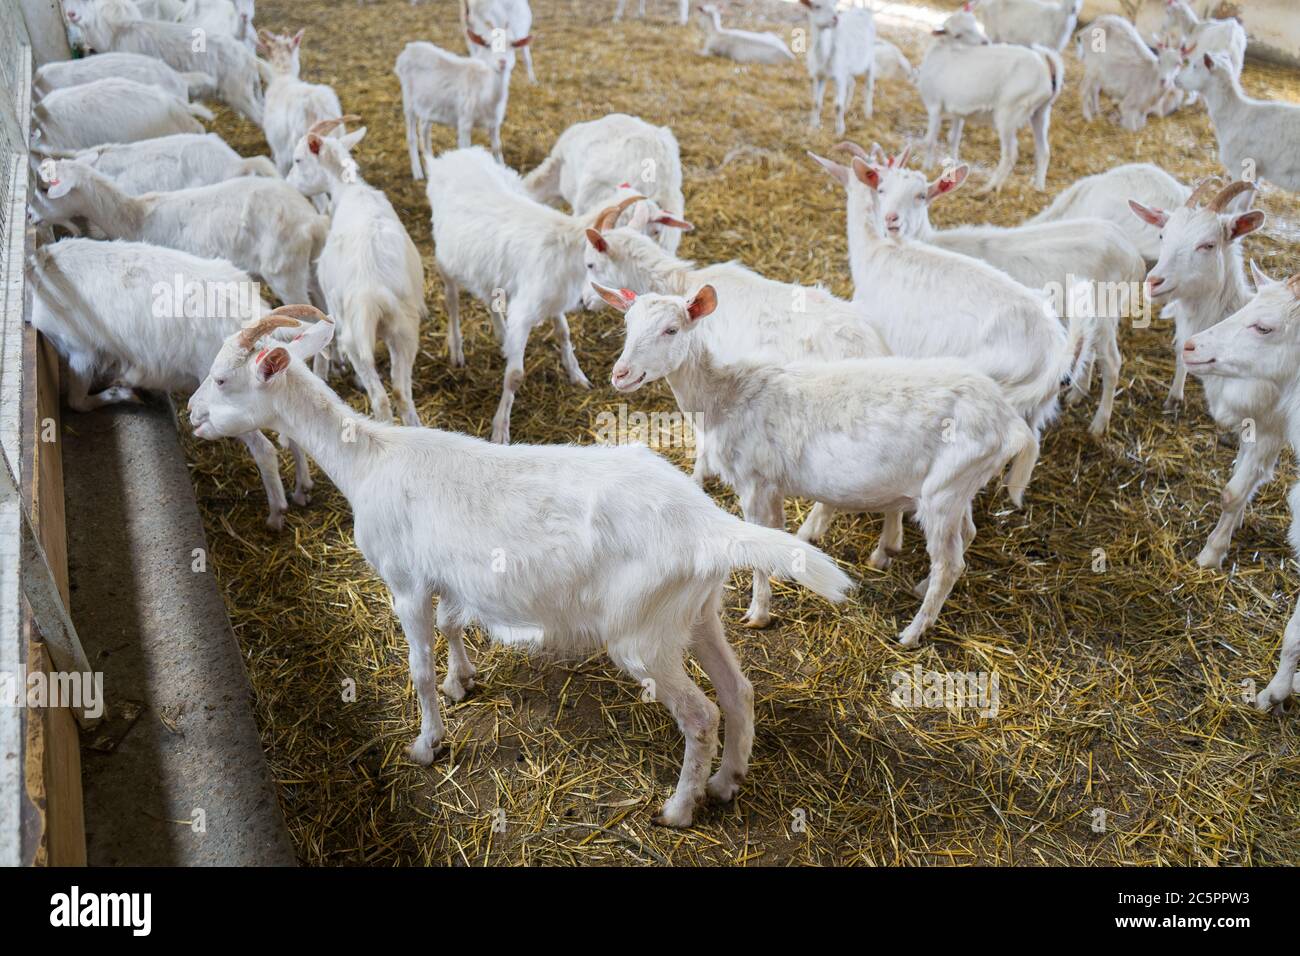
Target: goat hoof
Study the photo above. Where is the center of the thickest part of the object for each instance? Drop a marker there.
(909, 638)
(879, 560)
(424, 753)
(756, 621)
(724, 787)
(1270, 700)
(276, 521)
(302, 498)
(456, 690)
(674, 816)
(1209, 558)
(1172, 405)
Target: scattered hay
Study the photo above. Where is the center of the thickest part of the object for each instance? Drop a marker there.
(1120, 689)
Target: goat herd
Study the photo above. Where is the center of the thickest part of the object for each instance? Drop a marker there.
(941, 373)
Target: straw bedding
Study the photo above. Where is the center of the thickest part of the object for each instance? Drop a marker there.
(1120, 681)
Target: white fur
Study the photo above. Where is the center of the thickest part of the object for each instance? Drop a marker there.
(859, 435)
(596, 163)
(116, 25)
(125, 66)
(602, 547)
(260, 224)
(1257, 138)
(1069, 257)
(1048, 23)
(102, 305)
(1106, 196)
(841, 47)
(112, 111)
(513, 17)
(369, 270)
(1252, 358)
(891, 64)
(1199, 36)
(683, 10)
(460, 91)
(1010, 86)
(167, 163)
(1200, 281)
(743, 46)
(292, 106)
(1116, 62)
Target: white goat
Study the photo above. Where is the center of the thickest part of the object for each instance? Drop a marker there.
(1258, 139)
(602, 161)
(441, 87)
(1200, 280)
(1197, 37)
(1047, 23)
(1116, 62)
(743, 46)
(1106, 196)
(494, 241)
(369, 270)
(150, 318)
(260, 224)
(514, 18)
(124, 66)
(756, 316)
(683, 10)
(292, 106)
(1012, 86)
(112, 111)
(1066, 258)
(166, 163)
(648, 551)
(841, 47)
(115, 25)
(1252, 356)
(864, 435)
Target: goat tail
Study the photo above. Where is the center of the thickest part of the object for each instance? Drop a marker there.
(1055, 68)
(543, 183)
(1022, 462)
(257, 166)
(199, 111)
(773, 552)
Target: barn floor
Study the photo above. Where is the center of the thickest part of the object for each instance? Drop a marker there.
(1121, 682)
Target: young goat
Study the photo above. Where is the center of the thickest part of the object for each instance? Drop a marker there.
(166, 163)
(595, 164)
(866, 435)
(756, 316)
(1067, 257)
(1200, 280)
(261, 225)
(148, 70)
(441, 87)
(1046, 23)
(369, 270)
(1197, 37)
(1257, 138)
(1013, 86)
(841, 47)
(683, 10)
(1106, 196)
(513, 17)
(115, 25)
(650, 566)
(1251, 354)
(292, 106)
(743, 46)
(1116, 62)
(145, 317)
(112, 111)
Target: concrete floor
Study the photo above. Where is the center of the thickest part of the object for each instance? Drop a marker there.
(179, 735)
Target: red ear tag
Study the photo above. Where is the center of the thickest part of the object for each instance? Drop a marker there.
(260, 355)
(624, 185)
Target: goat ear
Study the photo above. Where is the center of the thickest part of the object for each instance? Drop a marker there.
(620, 299)
(313, 143)
(524, 42)
(867, 175)
(270, 363)
(297, 37)
(705, 301)
(1262, 278)
(837, 172)
(950, 180)
(1149, 214)
(597, 241)
(58, 188)
(674, 222)
(311, 340)
(1209, 62)
(1245, 224)
(352, 138)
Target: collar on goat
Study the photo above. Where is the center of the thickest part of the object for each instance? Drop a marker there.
(609, 215)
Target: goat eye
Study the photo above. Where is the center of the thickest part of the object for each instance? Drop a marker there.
(670, 331)
(1262, 330)
(221, 382)
(1205, 247)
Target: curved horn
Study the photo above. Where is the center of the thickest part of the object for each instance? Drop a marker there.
(301, 312)
(856, 150)
(321, 127)
(249, 335)
(1201, 189)
(901, 160)
(1293, 284)
(1227, 195)
(609, 215)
